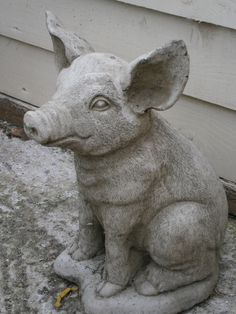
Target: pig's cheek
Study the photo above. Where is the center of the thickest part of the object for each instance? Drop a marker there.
(83, 126)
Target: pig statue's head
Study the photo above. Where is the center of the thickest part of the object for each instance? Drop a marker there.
(103, 103)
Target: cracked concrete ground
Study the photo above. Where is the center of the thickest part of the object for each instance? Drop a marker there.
(38, 219)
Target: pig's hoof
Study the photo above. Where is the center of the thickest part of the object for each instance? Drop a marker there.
(77, 254)
(146, 288)
(108, 289)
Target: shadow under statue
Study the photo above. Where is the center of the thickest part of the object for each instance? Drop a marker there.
(152, 211)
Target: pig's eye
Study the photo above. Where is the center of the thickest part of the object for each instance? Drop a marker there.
(100, 104)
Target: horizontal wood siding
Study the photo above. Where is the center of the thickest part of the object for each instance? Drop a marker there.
(129, 31)
(27, 72)
(207, 111)
(212, 129)
(220, 12)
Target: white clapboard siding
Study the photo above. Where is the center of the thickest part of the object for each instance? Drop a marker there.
(27, 72)
(129, 31)
(212, 129)
(220, 12)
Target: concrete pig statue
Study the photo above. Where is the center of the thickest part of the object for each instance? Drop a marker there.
(148, 195)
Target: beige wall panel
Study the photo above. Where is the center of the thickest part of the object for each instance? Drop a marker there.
(212, 129)
(27, 72)
(220, 12)
(128, 31)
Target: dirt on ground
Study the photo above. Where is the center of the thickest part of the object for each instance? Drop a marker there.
(39, 218)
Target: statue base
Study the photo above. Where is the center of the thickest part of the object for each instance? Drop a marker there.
(88, 274)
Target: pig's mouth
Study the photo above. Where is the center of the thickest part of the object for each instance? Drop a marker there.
(67, 141)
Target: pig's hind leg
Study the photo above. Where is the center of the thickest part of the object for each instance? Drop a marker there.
(181, 243)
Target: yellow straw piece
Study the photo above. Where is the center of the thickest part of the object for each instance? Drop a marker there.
(63, 294)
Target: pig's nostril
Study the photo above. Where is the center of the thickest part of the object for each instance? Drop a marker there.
(34, 126)
(32, 131)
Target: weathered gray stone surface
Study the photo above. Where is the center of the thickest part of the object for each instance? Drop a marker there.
(39, 218)
(148, 197)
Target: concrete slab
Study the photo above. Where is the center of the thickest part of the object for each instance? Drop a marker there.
(39, 218)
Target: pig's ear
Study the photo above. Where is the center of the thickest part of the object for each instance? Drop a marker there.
(67, 45)
(157, 79)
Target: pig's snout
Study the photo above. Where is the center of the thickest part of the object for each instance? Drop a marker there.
(35, 126)
(47, 125)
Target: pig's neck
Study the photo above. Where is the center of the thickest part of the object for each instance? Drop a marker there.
(117, 157)
(124, 176)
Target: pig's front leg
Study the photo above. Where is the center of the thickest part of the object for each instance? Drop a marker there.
(117, 265)
(122, 263)
(90, 238)
(122, 260)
